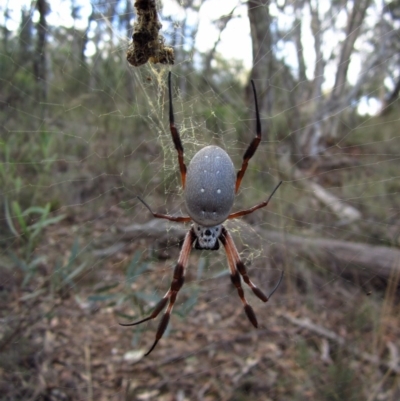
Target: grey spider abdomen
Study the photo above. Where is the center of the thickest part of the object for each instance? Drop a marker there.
(210, 186)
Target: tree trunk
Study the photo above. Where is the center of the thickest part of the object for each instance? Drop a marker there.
(129, 29)
(325, 122)
(40, 67)
(297, 28)
(25, 48)
(263, 59)
(391, 98)
(353, 31)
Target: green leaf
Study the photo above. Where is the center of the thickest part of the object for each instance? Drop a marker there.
(149, 298)
(107, 287)
(101, 298)
(40, 224)
(135, 269)
(18, 214)
(47, 222)
(71, 276)
(33, 210)
(9, 218)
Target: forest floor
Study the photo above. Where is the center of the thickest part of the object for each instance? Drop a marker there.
(330, 343)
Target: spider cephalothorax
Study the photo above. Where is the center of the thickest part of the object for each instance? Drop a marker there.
(207, 237)
(210, 183)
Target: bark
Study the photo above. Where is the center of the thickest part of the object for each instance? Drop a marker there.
(325, 122)
(316, 28)
(353, 30)
(298, 6)
(345, 212)
(263, 55)
(391, 98)
(311, 137)
(348, 258)
(40, 67)
(358, 259)
(25, 37)
(129, 29)
(309, 140)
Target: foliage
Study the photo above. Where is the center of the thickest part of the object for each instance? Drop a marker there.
(29, 227)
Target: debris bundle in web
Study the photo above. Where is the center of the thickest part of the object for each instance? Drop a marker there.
(147, 44)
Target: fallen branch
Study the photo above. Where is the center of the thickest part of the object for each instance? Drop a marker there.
(307, 324)
(156, 229)
(358, 258)
(345, 212)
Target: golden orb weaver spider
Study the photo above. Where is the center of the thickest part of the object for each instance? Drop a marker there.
(210, 185)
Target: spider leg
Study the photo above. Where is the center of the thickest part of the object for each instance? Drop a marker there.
(179, 219)
(254, 208)
(235, 277)
(176, 285)
(237, 267)
(175, 135)
(253, 145)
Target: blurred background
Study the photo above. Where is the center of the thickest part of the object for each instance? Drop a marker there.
(83, 133)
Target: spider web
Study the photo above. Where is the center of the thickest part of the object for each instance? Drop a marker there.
(79, 253)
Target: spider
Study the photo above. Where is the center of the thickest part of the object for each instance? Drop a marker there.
(210, 185)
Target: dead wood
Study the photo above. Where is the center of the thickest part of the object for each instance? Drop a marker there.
(334, 162)
(345, 212)
(321, 331)
(147, 44)
(358, 258)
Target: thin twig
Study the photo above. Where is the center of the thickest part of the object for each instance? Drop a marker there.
(306, 323)
(88, 372)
